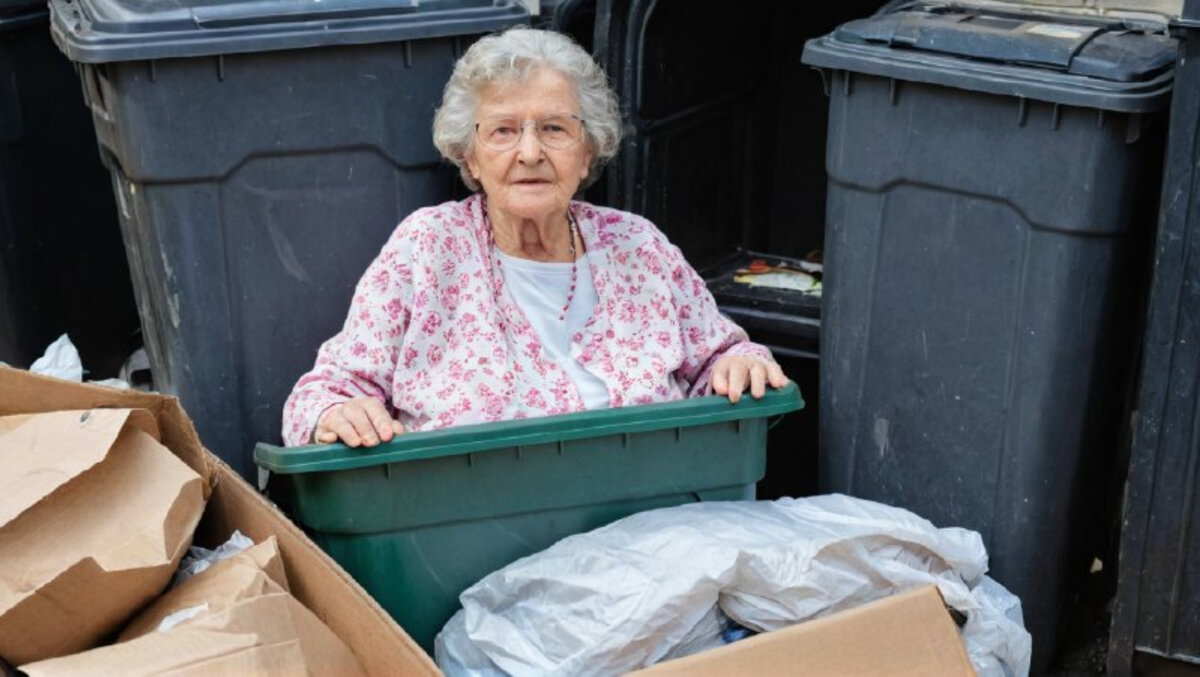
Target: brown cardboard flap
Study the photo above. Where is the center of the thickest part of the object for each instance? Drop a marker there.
(22, 392)
(909, 634)
(42, 452)
(99, 536)
(315, 579)
(256, 571)
(254, 637)
(245, 623)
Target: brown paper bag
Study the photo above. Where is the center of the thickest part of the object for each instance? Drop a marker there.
(253, 637)
(94, 517)
(256, 571)
(313, 577)
(247, 623)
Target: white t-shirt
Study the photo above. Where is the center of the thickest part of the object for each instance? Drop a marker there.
(540, 290)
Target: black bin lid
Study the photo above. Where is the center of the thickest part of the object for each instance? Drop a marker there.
(99, 31)
(1069, 60)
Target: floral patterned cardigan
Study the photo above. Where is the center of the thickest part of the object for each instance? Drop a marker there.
(432, 333)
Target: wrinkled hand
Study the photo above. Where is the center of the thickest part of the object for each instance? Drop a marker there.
(732, 373)
(361, 421)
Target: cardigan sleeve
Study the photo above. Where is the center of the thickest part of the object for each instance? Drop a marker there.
(360, 360)
(706, 334)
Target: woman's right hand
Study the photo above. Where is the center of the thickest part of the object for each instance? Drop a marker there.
(362, 421)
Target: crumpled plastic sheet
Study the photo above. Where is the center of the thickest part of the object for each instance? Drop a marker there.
(645, 588)
(198, 559)
(61, 360)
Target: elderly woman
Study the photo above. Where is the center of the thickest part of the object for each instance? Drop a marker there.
(520, 301)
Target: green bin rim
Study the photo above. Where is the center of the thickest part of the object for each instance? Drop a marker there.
(484, 437)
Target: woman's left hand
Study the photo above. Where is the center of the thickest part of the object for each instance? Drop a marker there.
(732, 373)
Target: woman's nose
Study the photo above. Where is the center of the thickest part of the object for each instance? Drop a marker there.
(529, 147)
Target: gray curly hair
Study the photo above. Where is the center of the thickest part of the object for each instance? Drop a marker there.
(512, 56)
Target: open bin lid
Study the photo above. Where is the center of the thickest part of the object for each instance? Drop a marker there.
(1072, 60)
(99, 31)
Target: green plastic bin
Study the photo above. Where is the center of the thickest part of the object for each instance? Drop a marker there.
(418, 520)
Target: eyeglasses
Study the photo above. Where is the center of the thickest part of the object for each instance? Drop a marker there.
(553, 131)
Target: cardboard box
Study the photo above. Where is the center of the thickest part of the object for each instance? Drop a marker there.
(235, 617)
(95, 515)
(315, 579)
(909, 634)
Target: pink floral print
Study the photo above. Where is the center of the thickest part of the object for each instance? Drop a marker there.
(432, 334)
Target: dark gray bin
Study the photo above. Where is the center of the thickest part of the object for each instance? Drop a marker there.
(983, 253)
(261, 153)
(62, 265)
(1157, 607)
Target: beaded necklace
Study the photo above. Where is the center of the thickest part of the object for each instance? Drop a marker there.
(572, 229)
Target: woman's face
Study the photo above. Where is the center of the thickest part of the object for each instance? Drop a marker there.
(530, 180)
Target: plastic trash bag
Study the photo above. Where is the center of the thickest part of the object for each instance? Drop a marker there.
(199, 559)
(61, 360)
(631, 594)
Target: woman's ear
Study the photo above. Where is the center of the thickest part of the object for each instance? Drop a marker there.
(472, 165)
(587, 165)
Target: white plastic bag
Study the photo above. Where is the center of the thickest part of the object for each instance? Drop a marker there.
(627, 595)
(199, 559)
(61, 360)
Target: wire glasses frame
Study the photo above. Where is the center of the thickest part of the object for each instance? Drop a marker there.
(552, 131)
